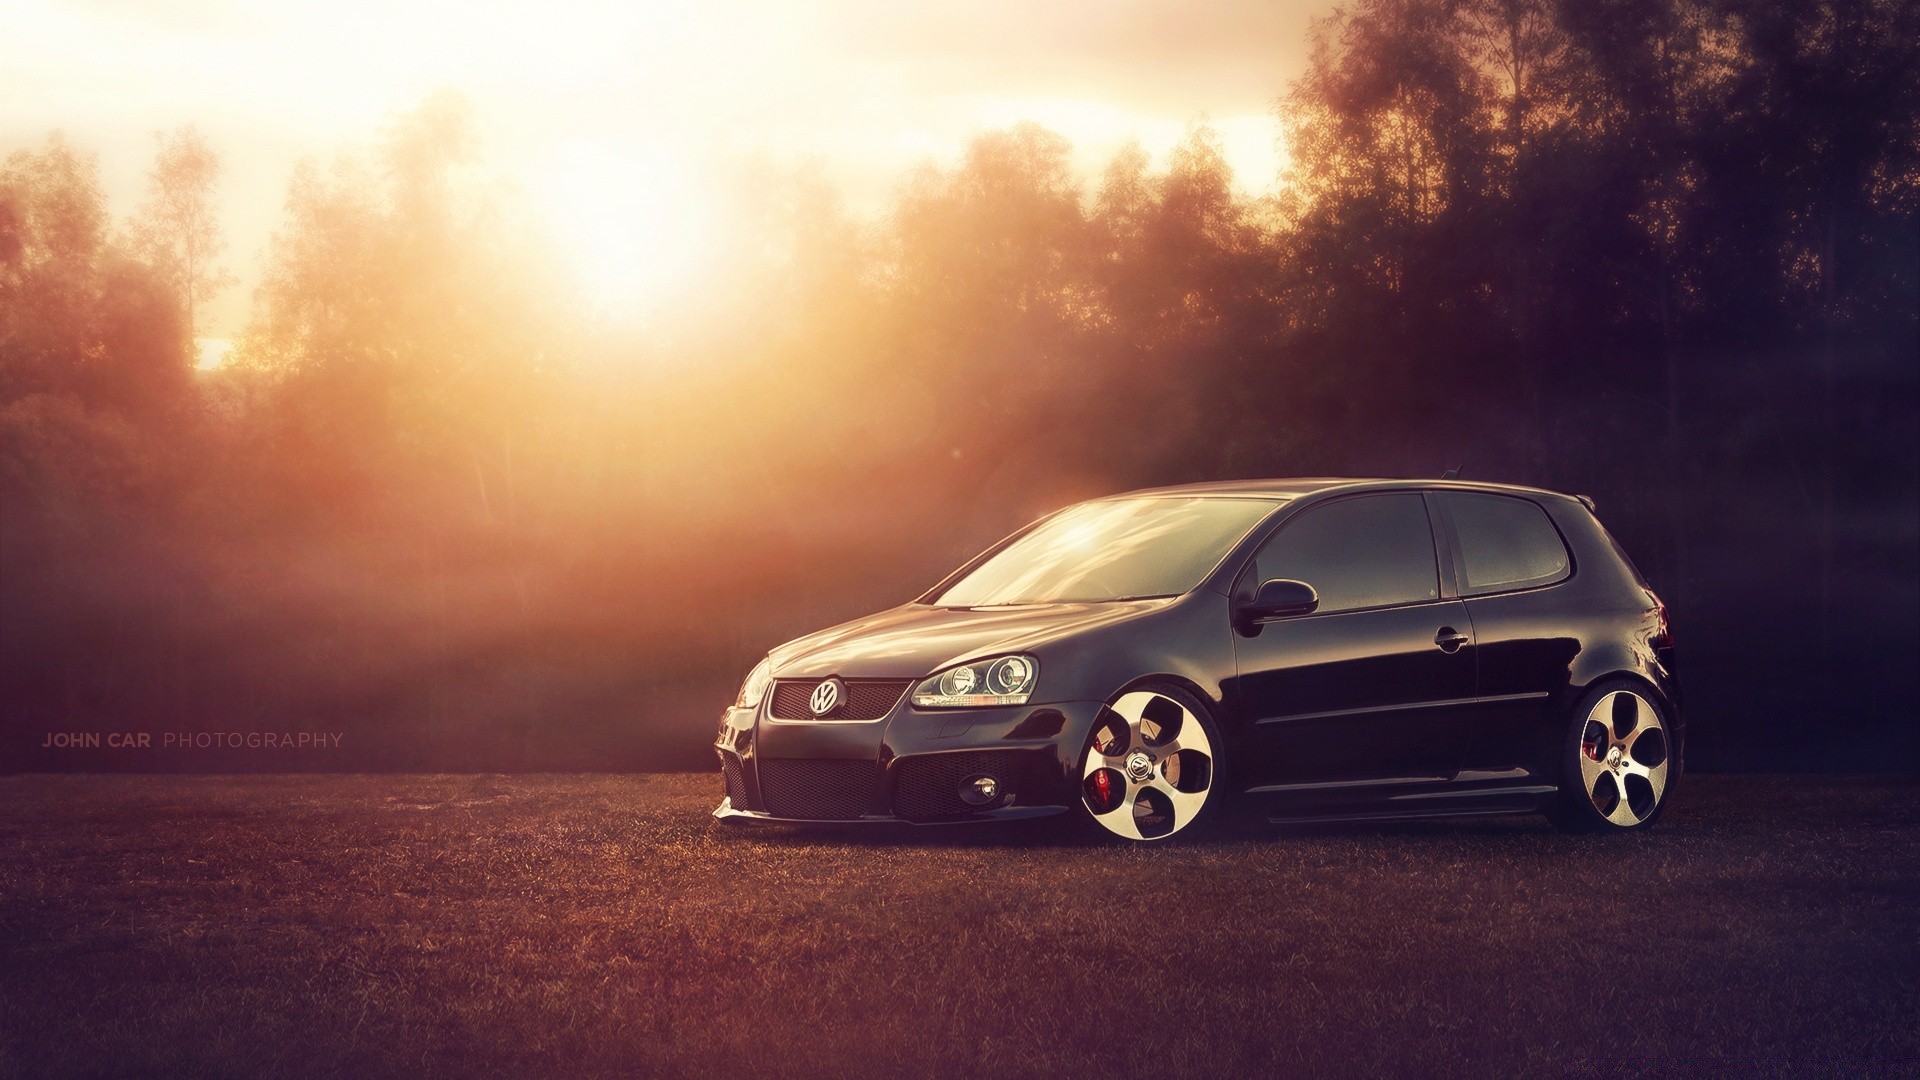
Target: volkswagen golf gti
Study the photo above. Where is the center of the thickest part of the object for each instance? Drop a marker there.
(1316, 649)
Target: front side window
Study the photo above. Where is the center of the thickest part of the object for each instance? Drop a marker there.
(1505, 543)
(1364, 552)
(1115, 549)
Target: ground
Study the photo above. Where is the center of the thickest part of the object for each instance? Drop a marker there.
(384, 925)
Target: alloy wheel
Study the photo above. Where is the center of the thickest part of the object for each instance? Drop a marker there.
(1623, 758)
(1149, 767)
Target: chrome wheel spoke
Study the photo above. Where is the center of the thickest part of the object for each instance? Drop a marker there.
(1623, 810)
(1185, 803)
(1622, 715)
(1192, 737)
(1644, 719)
(1601, 783)
(1647, 741)
(1656, 778)
(1121, 819)
(1132, 706)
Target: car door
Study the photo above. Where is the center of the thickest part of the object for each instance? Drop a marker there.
(1366, 688)
(1510, 562)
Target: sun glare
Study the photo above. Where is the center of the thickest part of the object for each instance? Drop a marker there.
(211, 353)
(631, 219)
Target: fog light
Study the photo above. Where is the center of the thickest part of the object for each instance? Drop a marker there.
(979, 790)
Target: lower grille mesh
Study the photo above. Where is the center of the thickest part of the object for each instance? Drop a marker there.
(929, 787)
(825, 789)
(736, 781)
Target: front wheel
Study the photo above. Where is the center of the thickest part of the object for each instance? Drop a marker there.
(1619, 762)
(1150, 767)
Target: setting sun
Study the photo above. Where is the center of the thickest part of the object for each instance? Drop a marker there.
(211, 353)
(630, 220)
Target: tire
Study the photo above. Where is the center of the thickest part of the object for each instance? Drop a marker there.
(1152, 767)
(1619, 762)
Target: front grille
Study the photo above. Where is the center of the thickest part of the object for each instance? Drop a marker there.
(735, 778)
(826, 789)
(929, 786)
(865, 699)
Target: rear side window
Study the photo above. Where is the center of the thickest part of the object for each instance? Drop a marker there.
(1370, 551)
(1505, 543)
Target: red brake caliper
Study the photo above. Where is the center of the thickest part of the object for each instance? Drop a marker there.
(1103, 789)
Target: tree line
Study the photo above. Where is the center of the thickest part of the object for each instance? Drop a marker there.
(1663, 252)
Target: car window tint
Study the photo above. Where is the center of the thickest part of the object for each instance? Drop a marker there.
(1505, 543)
(1371, 551)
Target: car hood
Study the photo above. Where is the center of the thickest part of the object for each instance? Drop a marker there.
(916, 640)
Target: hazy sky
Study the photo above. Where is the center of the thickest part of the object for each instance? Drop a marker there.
(617, 116)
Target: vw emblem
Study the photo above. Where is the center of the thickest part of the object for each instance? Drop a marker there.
(826, 697)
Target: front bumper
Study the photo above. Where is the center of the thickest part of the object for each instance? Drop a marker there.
(909, 766)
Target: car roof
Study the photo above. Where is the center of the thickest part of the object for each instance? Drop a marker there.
(1296, 487)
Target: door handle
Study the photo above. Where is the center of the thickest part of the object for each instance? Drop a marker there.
(1449, 639)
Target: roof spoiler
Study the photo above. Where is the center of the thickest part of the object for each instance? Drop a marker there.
(1587, 501)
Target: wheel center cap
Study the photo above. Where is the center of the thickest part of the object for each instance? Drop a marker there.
(1139, 766)
(1614, 758)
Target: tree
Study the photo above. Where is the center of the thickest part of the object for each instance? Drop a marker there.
(1519, 42)
(986, 269)
(177, 231)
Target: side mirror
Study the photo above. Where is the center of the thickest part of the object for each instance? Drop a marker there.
(1280, 597)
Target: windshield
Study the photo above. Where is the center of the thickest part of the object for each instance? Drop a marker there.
(1117, 549)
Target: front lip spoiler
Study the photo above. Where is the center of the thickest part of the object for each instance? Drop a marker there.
(727, 813)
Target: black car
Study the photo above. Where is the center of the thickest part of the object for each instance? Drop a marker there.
(1324, 649)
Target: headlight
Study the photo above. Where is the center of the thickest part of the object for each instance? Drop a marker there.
(756, 685)
(1007, 680)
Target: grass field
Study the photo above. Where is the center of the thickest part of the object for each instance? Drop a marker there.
(596, 924)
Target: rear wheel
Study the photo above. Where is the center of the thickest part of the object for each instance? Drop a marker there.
(1619, 762)
(1150, 768)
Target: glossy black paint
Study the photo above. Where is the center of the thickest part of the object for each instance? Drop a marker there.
(1353, 696)
(1444, 706)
